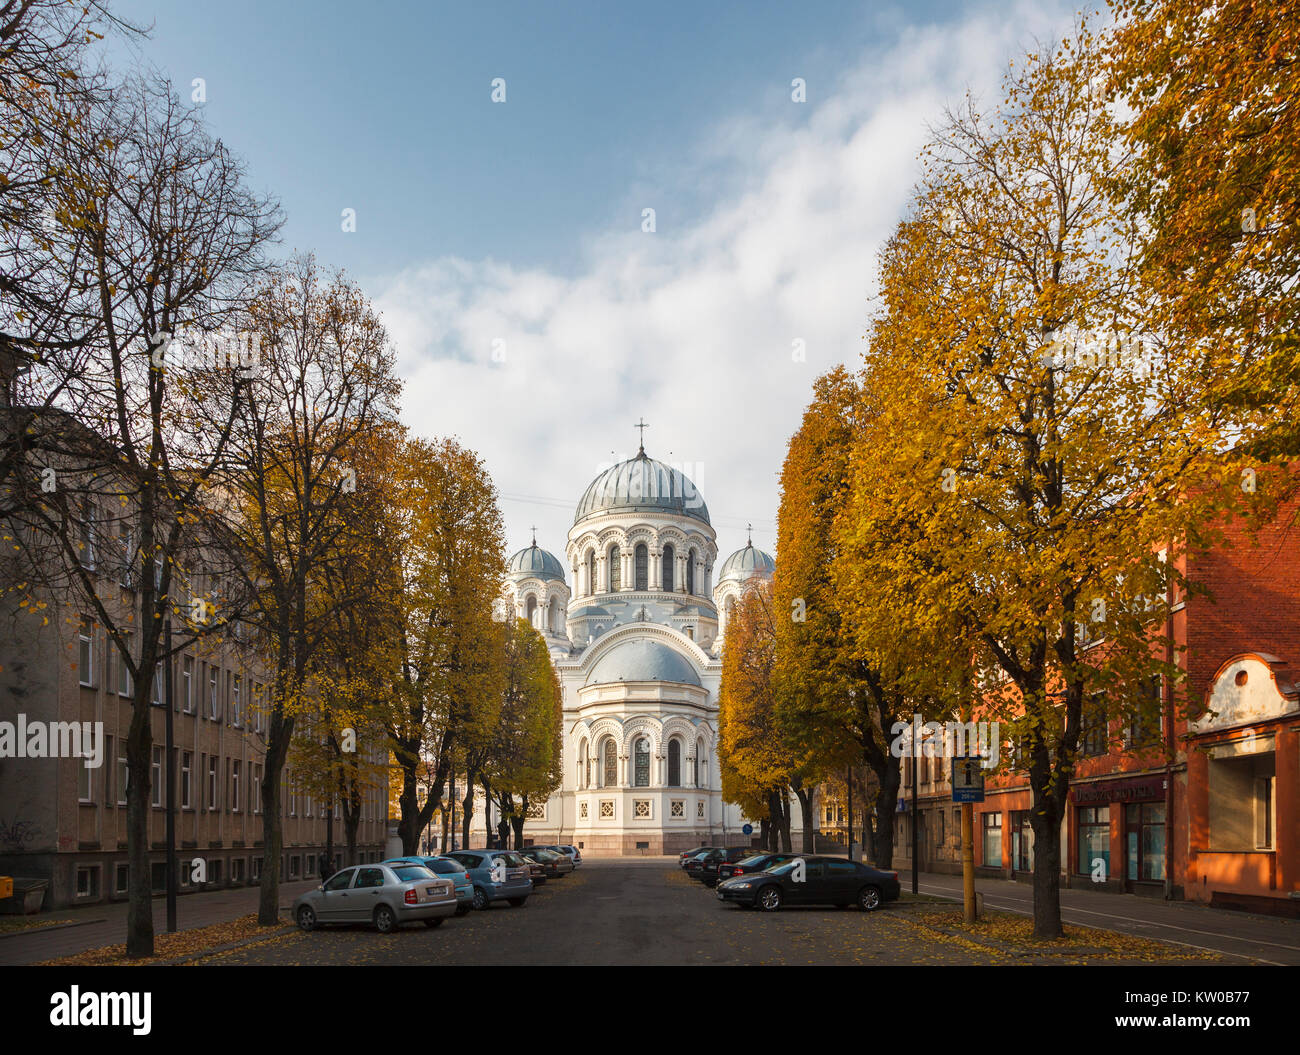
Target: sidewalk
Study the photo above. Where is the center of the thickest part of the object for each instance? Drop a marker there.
(1242, 937)
(105, 924)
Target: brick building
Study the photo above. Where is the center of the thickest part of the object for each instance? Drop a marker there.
(1202, 807)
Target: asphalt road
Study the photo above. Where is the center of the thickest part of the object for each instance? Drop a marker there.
(619, 911)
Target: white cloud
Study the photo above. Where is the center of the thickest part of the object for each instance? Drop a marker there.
(692, 328)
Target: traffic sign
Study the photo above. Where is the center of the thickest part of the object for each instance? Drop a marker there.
(967, 780)
(748, 829)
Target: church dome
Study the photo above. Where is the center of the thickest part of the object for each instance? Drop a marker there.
(642, 484)
(641, 660)
(747, 563)
(534, 562)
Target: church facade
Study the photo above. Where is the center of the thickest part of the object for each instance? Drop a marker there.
(634, 618)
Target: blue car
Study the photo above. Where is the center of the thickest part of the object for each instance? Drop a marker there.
(497, 875)
(453, 870)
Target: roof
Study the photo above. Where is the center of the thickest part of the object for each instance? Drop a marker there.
(642, 484)
(642, 660)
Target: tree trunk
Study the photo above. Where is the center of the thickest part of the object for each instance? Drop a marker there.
(487, 811)
(883, 826)
(467, 810)
(517, 822)
(809, 820)
(784, 797)
(1045, 820)
(139, 919)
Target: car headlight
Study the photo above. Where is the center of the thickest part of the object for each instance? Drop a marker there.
(739, 886)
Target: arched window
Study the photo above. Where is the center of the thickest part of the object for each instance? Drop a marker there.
(530, 610)
(690, 572)
(584, 766)
(615, 576)
(670, 556)
(591, 571)
(642, 567)
(674, 763)
(609, 763)
(700, 768)
(641, 763)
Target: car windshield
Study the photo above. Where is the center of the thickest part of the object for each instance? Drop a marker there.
(513, 860)
(443, 866)
(408, 872)
(752, 859)
(782, 868)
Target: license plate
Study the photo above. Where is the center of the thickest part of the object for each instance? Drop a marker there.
(430, 890)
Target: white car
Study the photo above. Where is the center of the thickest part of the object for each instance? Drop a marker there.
(384, 895)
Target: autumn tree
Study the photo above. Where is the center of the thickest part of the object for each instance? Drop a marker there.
(1214, 178)
(523, 762)
(448, 688)
(1044, 447)
(832, 698)
(321, 383)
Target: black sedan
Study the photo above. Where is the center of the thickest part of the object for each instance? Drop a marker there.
(755, 862)
(711, 862)
(812, 881)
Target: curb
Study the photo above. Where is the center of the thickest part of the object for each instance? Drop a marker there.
(28, 931)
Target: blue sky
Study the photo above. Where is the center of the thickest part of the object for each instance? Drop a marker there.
(533, 316)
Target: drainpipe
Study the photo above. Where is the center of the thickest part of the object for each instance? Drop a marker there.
(1167, 719)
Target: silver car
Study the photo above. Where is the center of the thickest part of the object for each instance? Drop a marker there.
(385, 895)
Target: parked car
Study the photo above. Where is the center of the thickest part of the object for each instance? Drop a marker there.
(554, 865)
(568, 850)
(696, 862)
(385, 895)
(514, 884)
(686, 855)
(812, 881)
(449, 869)
(708, 871)
(759, 862)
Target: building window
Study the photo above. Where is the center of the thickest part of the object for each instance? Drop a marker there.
(674, 763)
(992, 823)
(187, 764)
(123, 775)
(88, 881)
(641, 809)
(606, 809)
(212, 692)
(236, 692)
(582, 810)
(158, 686)
(1092, 729)
(690, 572)
(1144, 839)
(187, 684)
(678, 808)
(121, 878)
(669, 559)
(641, 762)
(614, 561)
(86, 653)
(1022, 842)
(83, 783)
(214, 798)
(642, 567)
(256, 790)
(234, 786)
(1142, 730)
(591, 571)
(1241, 790)
(699, 810)
(124, 686)
(1093, 823)
(89, 536)
(609, 763)
(156, 776)
(536, 811)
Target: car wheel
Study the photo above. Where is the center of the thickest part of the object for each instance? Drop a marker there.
(481, 899)
(385, 921)
(307, 918)
(464, 910)
(769, 898)
(869, 898)
(433, 922)
(517, 902)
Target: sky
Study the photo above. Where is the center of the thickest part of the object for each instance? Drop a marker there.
(507, 244)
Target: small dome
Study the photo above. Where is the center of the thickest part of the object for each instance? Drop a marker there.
(642, 484)
(641, 660)
(747, 563)
(535, 563)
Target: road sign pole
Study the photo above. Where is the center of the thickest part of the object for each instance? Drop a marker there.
(916, 850)
(968, 861)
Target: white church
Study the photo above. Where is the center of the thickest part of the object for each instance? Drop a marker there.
(637, 644)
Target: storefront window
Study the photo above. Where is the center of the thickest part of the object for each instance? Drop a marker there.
(1094, 841)
(992, 823)
(1145, 840)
